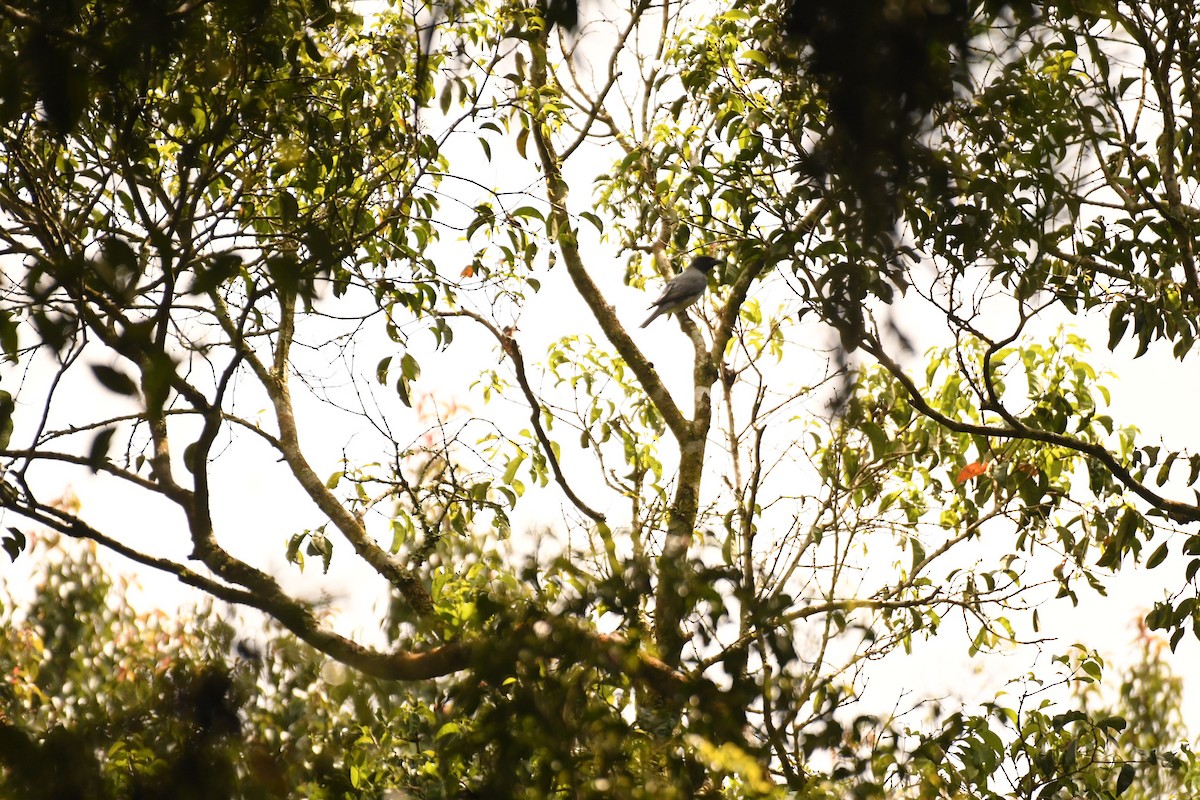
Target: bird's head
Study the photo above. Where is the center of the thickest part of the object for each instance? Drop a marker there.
(703, 263)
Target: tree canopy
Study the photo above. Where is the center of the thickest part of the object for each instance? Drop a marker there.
(250, 246)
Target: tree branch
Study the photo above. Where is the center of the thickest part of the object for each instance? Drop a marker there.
(604, 314)
(1183, 512)
(268, 598)
(509, 344)
(275, 382)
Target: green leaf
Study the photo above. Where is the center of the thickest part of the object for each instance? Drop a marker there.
(757, 56)
(1127, 528)
(14, 543)
(293, 549)
(1157, 557)
(880, 443)
(1117, 324)
(114, 380)
(320, 545)
(7, 407)
(1124, 779)
(98, 452)
(595, 220)
(918, 551)
(528, 211)
(510, 471)
(409, 367)
(311, 49)
(8, 336)
(1164, 471)
(189, 457)
(289, 209)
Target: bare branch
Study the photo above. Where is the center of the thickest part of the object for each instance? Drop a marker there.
(508, 343)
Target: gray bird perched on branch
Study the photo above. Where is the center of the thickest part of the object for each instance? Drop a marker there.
(684, 289)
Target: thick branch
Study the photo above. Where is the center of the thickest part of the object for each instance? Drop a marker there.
(612, 652)
(556, 193)
(268, 598)
(274, 380)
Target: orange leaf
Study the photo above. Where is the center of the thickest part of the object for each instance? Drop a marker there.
(972, 470)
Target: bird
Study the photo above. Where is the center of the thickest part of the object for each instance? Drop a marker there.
(684, 289)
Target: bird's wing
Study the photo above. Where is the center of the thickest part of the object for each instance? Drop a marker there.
(683, 285)
(666, 295)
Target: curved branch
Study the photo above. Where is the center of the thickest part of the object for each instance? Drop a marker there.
(274, 381)
(604, 314)
(613, 652)
(740, 288)
(1182, 512)
(268, 598)
(31, 456)
(509, 344)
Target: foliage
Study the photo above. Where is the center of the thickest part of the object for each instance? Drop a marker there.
(265, 239)
(105, 701)
(146, 705)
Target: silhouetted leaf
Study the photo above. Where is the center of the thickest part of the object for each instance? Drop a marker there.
(114, 380)
(98, 452)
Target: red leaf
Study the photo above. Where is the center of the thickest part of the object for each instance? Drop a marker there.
(972, 470)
